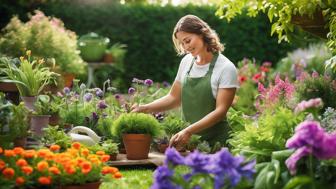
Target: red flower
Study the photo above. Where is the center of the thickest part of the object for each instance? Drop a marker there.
(257, 77)
(264, 69)
(242, 79)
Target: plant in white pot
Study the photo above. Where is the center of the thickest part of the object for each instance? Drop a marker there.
(136, 130)
(30, 78)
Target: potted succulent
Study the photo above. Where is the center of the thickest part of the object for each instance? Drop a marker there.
(136, 130)
(115, 53)
(30, 78)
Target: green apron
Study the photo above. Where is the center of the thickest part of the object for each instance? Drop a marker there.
(198, 101)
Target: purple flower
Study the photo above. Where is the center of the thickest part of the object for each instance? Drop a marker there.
(148, 82)
(101, 104)
(88, 97)
(66, 90)
(131, 90)
(173, 157)
(117, 96)
(82, 86)
(198, 162)
(310, 138)
(95, 116)
(162, 176)
(165, 84)
(99, 93)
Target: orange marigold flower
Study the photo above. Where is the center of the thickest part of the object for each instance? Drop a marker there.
(42, 165)
(44, 180)
(19, 181)
(21, 162)
(109, 170)
(1, 150)
(54, 170)
(100, 153)
(105, 158)
(85, 152)
(8, 172)
(70, 169)
(117, 175)
(18, 150)
(80, 160)
(9, 153)
(54, 147)
(76, 145)
(2, 164)
(29, 153)
(43, 153)
(86, 167)
(27, 170)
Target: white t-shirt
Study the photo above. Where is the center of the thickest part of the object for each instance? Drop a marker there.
(224, 74)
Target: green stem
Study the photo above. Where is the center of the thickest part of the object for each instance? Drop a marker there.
(311, 171)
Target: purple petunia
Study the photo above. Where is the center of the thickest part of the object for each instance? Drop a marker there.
(165, 84)
(148, 82)
(173, 157)
(101, 104)
(310, 138)
(162, 177)
(88, 97)
(198, 162)
(131, 90)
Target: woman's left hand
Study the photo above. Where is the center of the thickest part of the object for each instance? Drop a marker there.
(180, 139)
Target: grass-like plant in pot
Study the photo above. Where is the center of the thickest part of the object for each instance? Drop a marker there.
(30, 77)
(136, 130)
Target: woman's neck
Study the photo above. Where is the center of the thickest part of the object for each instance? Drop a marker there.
(204, 58)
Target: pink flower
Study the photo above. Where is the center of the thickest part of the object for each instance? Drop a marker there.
(312, 103)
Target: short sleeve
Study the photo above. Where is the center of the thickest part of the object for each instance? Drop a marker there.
(229, 77)
(182, 67)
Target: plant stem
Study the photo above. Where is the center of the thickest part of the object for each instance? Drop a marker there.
(311, 171)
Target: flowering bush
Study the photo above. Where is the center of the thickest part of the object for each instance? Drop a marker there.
(47, 167)
(219, 170)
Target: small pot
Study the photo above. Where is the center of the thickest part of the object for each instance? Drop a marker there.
(29, 102)
(8, 87)
(137, 146)
(108, 58)
(37, 123)
(54, 119)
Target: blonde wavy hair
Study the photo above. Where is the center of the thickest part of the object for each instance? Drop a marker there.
(195, 25)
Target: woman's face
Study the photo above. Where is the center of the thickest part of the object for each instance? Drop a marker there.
(192, 43)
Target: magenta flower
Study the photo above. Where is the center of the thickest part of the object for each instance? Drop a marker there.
(148, 82)
(312, 103)
(131, 90)
(310, 138)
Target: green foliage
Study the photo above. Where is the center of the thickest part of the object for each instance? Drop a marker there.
(42, 105)
(108, 146)
(317, 87)
(30, 76)
(136, 123)
(104, 126)
(237, 120)
(270, 133)
(75, 113)
(47, 37)
(281, 12)
(173, 124)
(118, 52)
(147, 32)
(53, 135)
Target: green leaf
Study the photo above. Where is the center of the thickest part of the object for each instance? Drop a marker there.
(298, 181)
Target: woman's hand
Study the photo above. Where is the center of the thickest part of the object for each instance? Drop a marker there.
(180, 139)
(139, 108)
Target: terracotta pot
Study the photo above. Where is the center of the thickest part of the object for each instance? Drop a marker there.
(137, 146)
(37, 123)
(108, 58)
(314, 25)
(29, 101)
(68, 79)
(8, 87)
(92, 185)
(20, 142)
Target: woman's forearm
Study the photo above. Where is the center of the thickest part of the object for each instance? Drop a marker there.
(162, 104)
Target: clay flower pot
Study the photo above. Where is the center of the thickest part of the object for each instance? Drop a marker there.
(137, 146)
(37, 123)
(29, 101)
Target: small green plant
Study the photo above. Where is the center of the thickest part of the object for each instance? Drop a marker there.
(136, 123)
(117, 51)
(108, 146)
(173, 124)
(54, 135)
(42, 105)
(30, 77)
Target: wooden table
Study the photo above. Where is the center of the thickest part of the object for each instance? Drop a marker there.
(155, 158)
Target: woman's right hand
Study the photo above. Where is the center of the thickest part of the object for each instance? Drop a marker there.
(139, 108)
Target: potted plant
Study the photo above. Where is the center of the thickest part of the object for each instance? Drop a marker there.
(30, 78)
(76, 167)
(115, 53)
(7, 86)
(108, 147)
(53, 135)
(314, 16)
(136, 130)
(41, 115)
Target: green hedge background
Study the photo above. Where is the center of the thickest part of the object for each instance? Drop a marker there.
(147, 31)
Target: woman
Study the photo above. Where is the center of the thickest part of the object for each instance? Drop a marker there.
(204, 87)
